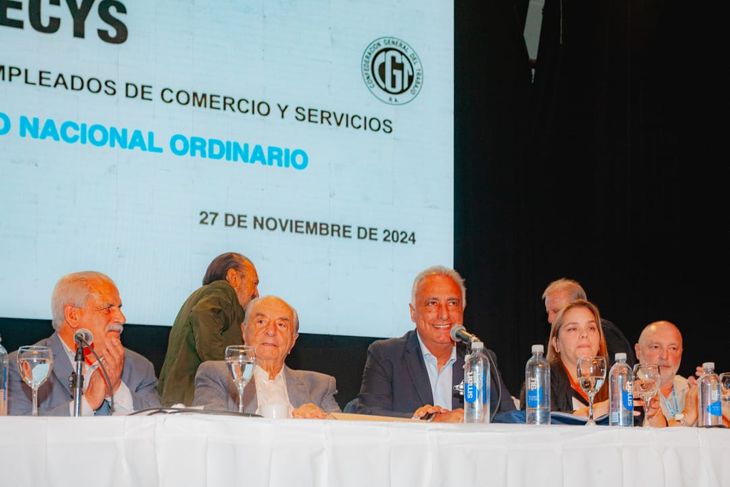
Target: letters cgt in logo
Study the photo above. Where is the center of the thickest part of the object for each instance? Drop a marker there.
(392, 70)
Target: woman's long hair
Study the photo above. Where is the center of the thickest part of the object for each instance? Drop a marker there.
(553, 355)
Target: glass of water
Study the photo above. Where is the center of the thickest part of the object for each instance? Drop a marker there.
(646, 385)
(34, 365)
(240, 360)
(725, 387)
(591, 376)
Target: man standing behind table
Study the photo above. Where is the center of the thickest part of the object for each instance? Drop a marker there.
(414, 375)
(88, 300)
(206, 324)
(561, 292)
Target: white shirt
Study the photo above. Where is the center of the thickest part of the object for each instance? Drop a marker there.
(270, 391)
(123, 403)
(441, 380)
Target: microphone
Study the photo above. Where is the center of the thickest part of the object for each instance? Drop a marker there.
(83, 337)
(459, 334)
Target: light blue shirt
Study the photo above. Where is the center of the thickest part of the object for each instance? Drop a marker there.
(441, 381)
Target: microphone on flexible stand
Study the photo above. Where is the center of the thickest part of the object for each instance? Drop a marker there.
(82, 338)
(459, 334)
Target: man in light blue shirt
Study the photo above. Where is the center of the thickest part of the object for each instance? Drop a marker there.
(414, 375)
(441, 380)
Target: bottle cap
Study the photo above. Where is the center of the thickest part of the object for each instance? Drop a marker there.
(708, 365)
(620, 356)
(538, 348)
(477, 345)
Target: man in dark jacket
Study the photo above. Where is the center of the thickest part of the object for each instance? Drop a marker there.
(414, 375)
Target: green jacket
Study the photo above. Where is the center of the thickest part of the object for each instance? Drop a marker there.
(209, 321)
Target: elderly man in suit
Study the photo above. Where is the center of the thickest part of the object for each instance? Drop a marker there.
(88, 300)
(414, 375)
(271, 326)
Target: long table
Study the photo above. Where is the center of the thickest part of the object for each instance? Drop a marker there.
(202, 450)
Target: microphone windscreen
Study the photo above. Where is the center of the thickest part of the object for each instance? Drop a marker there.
(455, 330)
(83, 335)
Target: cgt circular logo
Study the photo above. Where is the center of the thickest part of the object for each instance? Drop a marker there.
(392, 70)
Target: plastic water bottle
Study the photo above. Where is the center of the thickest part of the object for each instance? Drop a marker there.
(710, 405)
(620, 393)
(476, 385)
(537, 388)
(3, 380)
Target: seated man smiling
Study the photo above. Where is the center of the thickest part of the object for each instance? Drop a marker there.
(271, 326)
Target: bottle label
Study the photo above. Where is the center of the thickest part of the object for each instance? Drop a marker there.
(627, 398)
(535, 395)
(715, 408)
(470, 393)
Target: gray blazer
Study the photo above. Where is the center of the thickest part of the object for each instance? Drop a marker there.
(214, 389)
(55, 394)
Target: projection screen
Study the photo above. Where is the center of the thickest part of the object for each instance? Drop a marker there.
(143, 138)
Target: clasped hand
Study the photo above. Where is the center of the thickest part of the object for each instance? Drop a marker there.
(112, 357)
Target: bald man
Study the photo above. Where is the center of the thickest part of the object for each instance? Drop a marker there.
(660, 343)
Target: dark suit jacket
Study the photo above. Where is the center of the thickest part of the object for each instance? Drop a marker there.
(395, 380)
(55, 394)
(617, 342)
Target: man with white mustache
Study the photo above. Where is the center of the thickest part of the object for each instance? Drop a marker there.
(87, 300)
(414, 375)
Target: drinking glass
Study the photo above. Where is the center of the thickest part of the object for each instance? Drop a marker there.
(646, 385)
(591, 376)
(34, 365)
(240, 360)
(725, 385)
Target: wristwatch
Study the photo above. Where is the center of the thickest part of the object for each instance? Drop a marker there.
(680, 418)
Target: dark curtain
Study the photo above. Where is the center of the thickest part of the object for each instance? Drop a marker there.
(606, 169)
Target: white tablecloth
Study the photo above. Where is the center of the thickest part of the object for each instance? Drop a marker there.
(203, 450)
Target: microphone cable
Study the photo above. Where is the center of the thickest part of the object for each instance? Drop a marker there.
(103, 373)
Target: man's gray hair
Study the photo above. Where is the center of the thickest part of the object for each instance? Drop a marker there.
(438, 270)
(251, 304)
(563, 284)
(73, 289)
